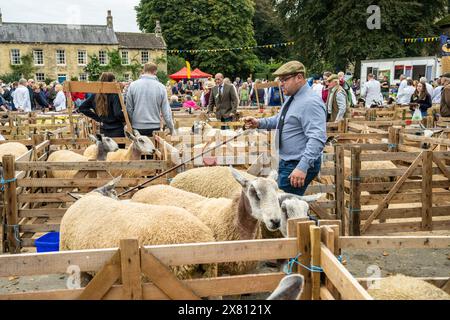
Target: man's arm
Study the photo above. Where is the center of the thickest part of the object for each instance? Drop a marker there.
(314, 125)
(166, 111)
(130, 104)
(234, 100)
(364, 90)
(269, 123)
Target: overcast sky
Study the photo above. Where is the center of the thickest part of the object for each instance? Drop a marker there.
(72, 12)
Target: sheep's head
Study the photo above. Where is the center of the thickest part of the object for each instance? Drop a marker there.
(143, 144)
(105, 144)
(199, 127)
(108, 190)
(262, 196)
(289, 288)
(294, 206)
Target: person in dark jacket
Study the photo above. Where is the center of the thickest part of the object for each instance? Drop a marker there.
(31, 92)
(422, 98)
(106, 109)
(39, 101)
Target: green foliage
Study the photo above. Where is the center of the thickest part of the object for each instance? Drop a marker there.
(26, 69)
(174, 63)
(74, 78)
(335, 31)
(162, 77)
(268, 30)
(205, 24)
(48, 80)
(264, 70)
(93, 68)
(10, 77)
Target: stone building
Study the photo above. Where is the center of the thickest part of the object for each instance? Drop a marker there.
(61, 51)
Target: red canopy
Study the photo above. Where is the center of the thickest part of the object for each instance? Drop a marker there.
(182, 74)
(200, 74)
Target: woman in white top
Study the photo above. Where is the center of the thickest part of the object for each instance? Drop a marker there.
(60, 101)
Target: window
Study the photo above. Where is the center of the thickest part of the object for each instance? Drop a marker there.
(125, 57)
(82, 57)
(83, 77)
(144, 57)
(60, 57)
(15, 56)
(102, 57)
(40, 77)
(38, 56)
(399, 70)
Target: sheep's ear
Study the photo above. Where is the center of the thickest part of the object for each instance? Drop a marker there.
(289, 288)
(92, 138)
(108, 189)
(273, 175)
(130, 136)
(136, 133)
(239, 177)
(99, 137)
(311, 198)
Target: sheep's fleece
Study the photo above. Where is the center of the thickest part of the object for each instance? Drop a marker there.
(96, 221)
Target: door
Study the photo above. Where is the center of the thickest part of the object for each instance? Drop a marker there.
(62, 78)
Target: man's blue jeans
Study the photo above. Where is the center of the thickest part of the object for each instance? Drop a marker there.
(285, 168)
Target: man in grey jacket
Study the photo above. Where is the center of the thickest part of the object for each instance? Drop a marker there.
(146, 101)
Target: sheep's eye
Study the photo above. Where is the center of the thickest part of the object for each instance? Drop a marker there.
(254, 193)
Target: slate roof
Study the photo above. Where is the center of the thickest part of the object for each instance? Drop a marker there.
(11, 32)
(134, 40)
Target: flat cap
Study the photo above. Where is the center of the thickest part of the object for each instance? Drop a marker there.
(291, 67)
(333, 77)
(447, 75)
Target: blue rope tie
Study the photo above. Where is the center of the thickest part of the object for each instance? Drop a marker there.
(3, 182)
(392, 145)
(290, 265)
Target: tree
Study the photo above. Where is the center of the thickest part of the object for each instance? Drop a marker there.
(174, 63)
(268, 30)
(336, 32)
(93, 68)
(205, 24)
(26, 69)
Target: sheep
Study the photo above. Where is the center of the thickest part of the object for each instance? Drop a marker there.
(100, 149)
(400, 287)
(99, 220)
(209, 182)
(229, 219)
(14, 148)
(202, 127)
(104, 144)
(140, 145)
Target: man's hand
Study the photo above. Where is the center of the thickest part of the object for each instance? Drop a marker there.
(297, 178)
(250, 122)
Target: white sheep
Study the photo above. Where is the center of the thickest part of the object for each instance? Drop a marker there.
(229, 219)
(99, 220)
(104, 144)
(140, 145)
(289, 288)
(14, 148)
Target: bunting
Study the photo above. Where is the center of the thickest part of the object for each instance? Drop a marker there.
(415, 40)
(266, 46)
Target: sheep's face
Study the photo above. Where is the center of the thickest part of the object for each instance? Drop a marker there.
(292, 208)
(144, 145)
(262, 197)
(109, 145)
(199, 126)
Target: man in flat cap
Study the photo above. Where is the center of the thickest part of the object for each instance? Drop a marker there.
(337, 105)
(301, 129)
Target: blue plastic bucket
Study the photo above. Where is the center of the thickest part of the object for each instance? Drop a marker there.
(48, 242)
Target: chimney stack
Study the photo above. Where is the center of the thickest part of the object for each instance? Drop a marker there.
(109, 20)
(158, 31)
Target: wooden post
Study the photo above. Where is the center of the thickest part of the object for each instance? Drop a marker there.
(339, 182)
(69, 107)
(12, 218)
(427, 190)
(304, 247)
(315, 261)
(355, 193)
(341, 126)
(430, 122)
(328, 236)
(124, 109)
(130, 261)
